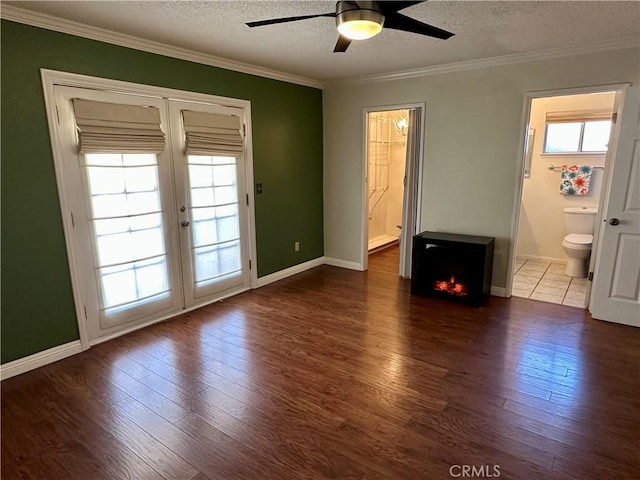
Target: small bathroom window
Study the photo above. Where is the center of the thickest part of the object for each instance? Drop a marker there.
(577, 132)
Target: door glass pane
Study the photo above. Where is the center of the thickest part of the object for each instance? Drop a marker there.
(215, 232)
(131, 258)
(596, 136)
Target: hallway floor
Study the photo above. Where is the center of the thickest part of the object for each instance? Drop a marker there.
(547, 282)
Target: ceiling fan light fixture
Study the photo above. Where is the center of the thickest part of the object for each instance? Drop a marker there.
(359, 24)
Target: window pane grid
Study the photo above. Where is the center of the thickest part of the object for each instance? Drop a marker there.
(131, 259)
(210, 160)
(215, 218)
(124, 306)
(215, 262)
(217, 278)
(133, 282)
(126, 263)
(215, 244)
(218, 205)
(104, 221)
(120, 159)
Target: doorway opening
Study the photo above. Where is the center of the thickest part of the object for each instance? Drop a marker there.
(387, 152)
(393, 146)
(563, 179)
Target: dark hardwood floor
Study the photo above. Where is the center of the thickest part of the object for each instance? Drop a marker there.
(338, 374)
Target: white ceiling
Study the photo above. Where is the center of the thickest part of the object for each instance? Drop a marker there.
(483, 29)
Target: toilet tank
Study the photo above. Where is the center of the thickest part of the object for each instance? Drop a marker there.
(580, 220)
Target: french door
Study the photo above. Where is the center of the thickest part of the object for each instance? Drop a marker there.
(152, 233)
(212, 213)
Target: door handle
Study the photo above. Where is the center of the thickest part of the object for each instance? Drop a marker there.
(185, 223)
(614, 222)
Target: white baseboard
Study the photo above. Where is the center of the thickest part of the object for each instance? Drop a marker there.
(39, 359)
(287, 272)
(225, 294)
(542, 259)
(336, 262)
(497, 291)
(54, 354)
(380, 241)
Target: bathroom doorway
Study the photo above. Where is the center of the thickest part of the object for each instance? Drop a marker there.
(393, 144)
(563, 177)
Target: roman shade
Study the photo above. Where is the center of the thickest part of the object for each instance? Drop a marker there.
(578, 116)
(211, 133)
(114, 128)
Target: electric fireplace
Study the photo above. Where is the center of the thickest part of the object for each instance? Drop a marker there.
(452, 266)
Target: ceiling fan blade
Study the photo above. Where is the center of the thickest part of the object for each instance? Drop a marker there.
(397, 21)
(342, 44)
(392, 6)
(273, 21)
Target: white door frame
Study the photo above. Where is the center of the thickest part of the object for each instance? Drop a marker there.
(418, 169)
(520, 158)
(51, 79)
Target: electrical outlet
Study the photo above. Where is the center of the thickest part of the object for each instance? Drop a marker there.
(296, 247)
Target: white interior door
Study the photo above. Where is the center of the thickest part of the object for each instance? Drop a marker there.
(409, 208)
(615, 294)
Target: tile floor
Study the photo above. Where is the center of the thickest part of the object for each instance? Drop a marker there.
(547, 282)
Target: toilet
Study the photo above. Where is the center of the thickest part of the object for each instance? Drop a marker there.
(579, 224)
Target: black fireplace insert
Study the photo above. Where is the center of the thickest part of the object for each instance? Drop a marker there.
(452, 266)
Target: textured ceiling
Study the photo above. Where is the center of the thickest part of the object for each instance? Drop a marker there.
(483, 29)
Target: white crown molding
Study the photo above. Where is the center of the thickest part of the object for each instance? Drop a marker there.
(503, 60)
(9, 12)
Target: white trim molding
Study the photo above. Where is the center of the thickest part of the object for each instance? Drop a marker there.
(57, 24)
(499, 61)
(287, 272)
(336, 262)
(39, 359)
(497, 291)
(520, 161)
(49, 22)
(140, 326)
(542, 259)
(54, 354)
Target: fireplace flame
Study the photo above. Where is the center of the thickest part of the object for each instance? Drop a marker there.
(451, 287)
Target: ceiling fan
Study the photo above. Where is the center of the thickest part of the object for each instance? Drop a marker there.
(359, 20)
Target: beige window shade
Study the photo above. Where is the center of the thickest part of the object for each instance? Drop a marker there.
(211, 133)
(114, 128)
(578, 116)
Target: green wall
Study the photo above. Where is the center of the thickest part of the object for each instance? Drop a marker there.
(37, 300)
